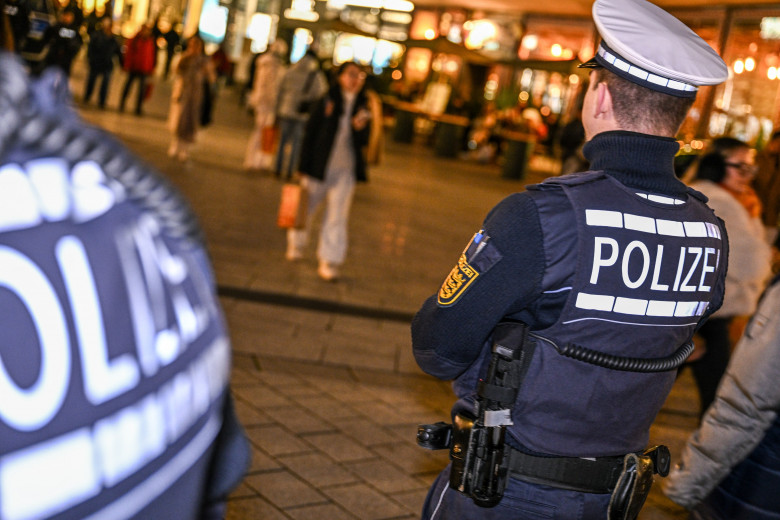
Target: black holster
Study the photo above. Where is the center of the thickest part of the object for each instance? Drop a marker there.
(635, 482)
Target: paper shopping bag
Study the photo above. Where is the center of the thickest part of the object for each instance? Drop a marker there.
(292, 207)
(268, 138)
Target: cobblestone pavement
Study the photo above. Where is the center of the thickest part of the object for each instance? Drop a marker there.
(324, 379)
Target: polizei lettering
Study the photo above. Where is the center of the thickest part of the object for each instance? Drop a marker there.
(633, 257)
(119, 326)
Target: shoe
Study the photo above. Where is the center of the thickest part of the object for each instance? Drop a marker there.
(328, 272)
(293, 254)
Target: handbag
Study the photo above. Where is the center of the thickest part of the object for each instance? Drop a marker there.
(292, 206)
(268, 137)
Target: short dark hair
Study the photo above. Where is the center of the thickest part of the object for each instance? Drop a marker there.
(712, 165)
(638, 107)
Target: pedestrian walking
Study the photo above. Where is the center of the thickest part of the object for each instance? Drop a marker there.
(332, 161)
(64, 42)
(729, 466)
(167, 31)
(18, 15)
(103, 48)
(568, 312)
(116, 360)
(193, 72)
(303, 84)
(269, 71)
(139, 60)
(724, 175)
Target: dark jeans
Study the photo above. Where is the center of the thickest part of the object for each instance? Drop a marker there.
(709, 369)
(132, 77)
(105, 81)
(290, 131)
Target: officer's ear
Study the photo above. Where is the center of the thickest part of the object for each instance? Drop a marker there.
(603, 106)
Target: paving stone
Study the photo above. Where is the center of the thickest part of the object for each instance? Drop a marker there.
(242, 491)
(385, 477)
(260, 396)
(284, 490)
(364, 431)
(327, 407)
(323, 512)
(382, 413)
(248, 415)
(415, 460)
(299, 420)
(342, 350)
(318, 470)
(250, 508)
(413, 501)
(276, 441)
(366, 503)
(338, 447)
(261, 461)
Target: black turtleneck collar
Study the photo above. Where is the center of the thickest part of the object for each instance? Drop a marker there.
(640, 161)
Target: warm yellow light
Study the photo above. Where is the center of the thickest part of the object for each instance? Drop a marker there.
(430, 34)
(574, 79)
(523, 97)
(739, 67)
(556, 50)
(771, 73)
(530, 41)
(750, 64)
(481, 32)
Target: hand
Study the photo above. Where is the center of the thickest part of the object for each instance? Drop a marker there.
(361, 119)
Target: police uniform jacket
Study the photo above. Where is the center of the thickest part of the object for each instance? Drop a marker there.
(625, 260)
(115, 358)
(730, 463)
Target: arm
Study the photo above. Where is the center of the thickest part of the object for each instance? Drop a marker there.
(744, 408)
(447, 338)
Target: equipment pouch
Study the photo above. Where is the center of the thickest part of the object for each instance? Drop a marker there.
(632, 487)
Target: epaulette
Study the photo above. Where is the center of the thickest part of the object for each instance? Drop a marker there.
(697, 194)
(572, 179)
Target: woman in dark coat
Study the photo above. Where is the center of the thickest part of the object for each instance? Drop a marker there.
(332, 161)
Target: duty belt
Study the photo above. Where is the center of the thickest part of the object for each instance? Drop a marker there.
(598, 475)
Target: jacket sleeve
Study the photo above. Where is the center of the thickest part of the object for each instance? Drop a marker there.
(745, 407)
(448, 336)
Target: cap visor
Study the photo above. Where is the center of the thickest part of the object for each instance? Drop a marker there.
(590, 64)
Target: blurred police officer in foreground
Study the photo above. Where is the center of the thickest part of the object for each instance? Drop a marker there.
(611, 271)
(115, 359)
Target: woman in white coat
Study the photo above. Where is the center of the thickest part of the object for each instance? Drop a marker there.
(724, 175)
(269, 71)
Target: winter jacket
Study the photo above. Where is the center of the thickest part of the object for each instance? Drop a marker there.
(101, 51)
(141, 54)
(303, 82)
(321, 134)
(743, 416)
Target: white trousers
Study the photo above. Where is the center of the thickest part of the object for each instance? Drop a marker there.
(337, 190)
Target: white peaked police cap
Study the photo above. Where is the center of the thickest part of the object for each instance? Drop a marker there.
(646, 45)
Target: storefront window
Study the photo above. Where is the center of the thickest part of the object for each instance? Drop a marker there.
(557, 39)
(708, 25)
(746, 105)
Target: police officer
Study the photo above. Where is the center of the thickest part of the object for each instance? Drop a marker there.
(115, 359)
(615, 267)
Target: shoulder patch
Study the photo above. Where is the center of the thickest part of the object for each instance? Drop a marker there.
(461, 276)
(478, 257)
